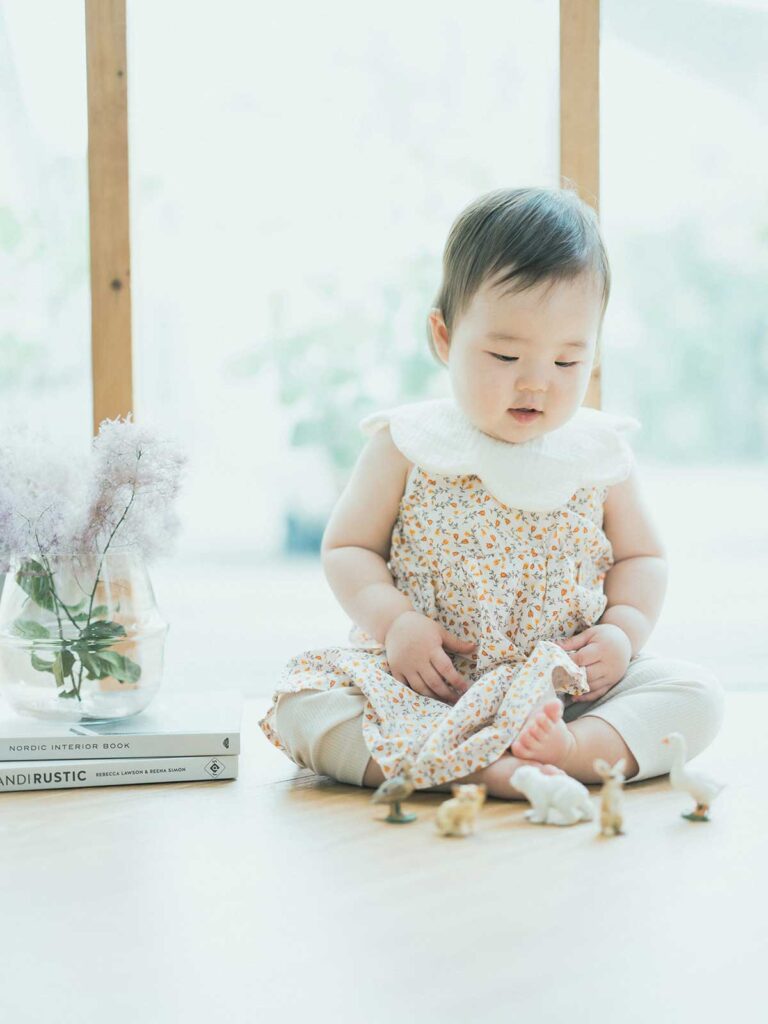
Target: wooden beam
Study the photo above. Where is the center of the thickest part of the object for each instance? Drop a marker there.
(580, 113)
(109, 216)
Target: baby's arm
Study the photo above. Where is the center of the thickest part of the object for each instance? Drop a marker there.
(356, 541)
(355, 550)
(636, 583)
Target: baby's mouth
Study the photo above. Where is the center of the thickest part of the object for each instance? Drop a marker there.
(523, 413)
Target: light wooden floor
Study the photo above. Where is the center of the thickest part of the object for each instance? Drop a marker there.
(283, 893)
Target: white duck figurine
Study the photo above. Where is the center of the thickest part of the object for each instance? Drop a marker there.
(703, 788)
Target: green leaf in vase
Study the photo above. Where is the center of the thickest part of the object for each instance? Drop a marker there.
(35, 581)
(102, 629)
(99, 634)
(120, 667)
(62, 666)
(96, 667)
(99, 611)
(40, 664)
(29, 630)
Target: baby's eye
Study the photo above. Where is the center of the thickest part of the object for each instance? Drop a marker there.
(513, 359)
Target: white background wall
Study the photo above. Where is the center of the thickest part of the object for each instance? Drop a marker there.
(292, 166)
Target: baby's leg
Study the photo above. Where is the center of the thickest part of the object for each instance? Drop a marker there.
(495, 777)
(593, 738)
(322, 730)
(656, 696)
(573, 746)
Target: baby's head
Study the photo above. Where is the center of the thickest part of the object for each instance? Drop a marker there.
(525, 272)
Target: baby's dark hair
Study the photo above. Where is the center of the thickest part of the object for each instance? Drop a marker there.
(526, 236)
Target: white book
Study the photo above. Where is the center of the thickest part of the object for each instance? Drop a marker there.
(16, 776)
(176, 724)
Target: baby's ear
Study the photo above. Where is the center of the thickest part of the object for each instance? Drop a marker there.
(441, 338)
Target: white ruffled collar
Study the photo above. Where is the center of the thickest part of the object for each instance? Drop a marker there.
(539, 475)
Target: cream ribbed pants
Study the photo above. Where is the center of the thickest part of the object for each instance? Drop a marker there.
(322, 729)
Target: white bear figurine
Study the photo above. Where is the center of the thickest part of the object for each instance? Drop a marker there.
(555, 799)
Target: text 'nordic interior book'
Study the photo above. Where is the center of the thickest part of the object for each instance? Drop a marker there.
(176, 724)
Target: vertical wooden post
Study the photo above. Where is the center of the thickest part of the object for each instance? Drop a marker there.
(580, 113)
(109, 218)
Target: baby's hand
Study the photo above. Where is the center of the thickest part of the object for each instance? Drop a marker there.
(414, 646)
(605, 652)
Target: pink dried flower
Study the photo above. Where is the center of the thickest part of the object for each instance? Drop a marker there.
(53, 501)
(134, 482)
(42, 491)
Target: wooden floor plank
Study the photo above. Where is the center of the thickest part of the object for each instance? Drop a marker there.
(285, 892)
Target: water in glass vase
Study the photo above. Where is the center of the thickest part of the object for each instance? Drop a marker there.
(81, 638)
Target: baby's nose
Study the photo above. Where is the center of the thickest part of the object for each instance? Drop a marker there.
(532, 385)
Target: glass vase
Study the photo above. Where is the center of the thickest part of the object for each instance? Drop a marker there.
(81, 638)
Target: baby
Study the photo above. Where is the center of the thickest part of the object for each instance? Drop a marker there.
(493, 549)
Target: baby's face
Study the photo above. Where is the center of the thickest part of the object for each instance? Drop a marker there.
(491, 375)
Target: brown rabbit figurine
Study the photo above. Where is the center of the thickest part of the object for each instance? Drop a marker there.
(611, 796)
(457, 817)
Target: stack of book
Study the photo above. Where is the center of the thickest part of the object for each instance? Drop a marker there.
(180, 737)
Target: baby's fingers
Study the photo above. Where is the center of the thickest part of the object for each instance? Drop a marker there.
(594, 694)
(437, 684)
(417, 684)
(414, 681)
(573, 643)
(445, 667)
(586, 656)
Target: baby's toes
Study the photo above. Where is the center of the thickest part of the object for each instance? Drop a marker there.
(544, 725)
(524, 747)
(530, 732)
(553, 710)
(533, 732)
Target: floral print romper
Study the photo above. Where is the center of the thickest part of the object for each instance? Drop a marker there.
(514, 581)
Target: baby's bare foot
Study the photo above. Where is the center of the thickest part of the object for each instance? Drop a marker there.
(545, 736)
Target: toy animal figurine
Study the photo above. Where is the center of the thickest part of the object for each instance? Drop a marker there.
(611, 796)
(392, 791)
(555, 799)
(457, 817)
(703, 788)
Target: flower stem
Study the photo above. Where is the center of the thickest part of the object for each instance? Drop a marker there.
(111, 536)
(57, 602)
